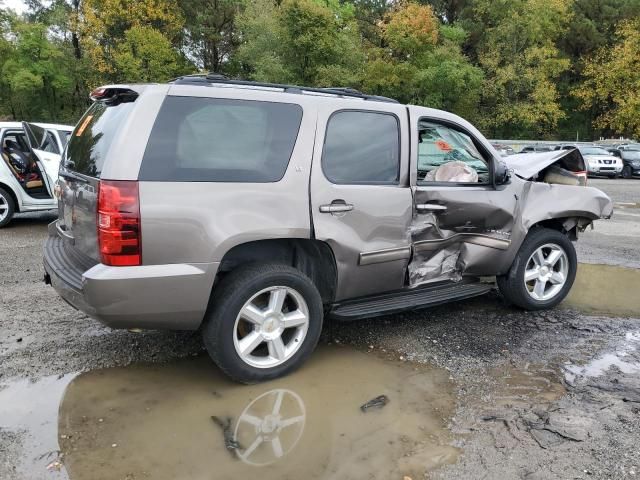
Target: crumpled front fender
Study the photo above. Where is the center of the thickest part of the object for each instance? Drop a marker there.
(543, 201)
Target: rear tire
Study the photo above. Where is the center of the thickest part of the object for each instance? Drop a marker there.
(7, 207)
(263, 322)
(542, 272)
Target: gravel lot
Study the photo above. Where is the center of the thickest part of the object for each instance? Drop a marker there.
(539, 395)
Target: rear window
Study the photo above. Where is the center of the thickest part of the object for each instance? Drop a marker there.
(90, 141)
(220, 140)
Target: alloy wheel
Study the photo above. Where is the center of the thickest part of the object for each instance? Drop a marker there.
(4, 207)
(271, 327)
(546, 272)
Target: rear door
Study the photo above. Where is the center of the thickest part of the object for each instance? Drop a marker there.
(360, 197)
(48, 162)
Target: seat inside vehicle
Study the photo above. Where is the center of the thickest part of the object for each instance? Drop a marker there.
(21, 164)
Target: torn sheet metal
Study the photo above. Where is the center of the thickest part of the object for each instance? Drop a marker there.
(528, 165)
(438, 265)
(441, 254)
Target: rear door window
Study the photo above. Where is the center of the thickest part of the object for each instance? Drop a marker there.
(221, 140)
(90, 141)
(362, 148)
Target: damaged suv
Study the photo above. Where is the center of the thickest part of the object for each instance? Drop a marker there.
(253, 210)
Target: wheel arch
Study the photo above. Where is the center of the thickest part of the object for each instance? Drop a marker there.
(568, 225)
(314, 258)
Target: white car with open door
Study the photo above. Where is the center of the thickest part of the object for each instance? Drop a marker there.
(29, 168)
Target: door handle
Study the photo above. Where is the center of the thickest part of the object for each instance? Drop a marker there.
(336, 208)
(430, 207)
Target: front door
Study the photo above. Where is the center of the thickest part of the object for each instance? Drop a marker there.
(462, 221)
(360, 196)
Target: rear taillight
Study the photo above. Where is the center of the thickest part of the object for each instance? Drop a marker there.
(583, 177)
(119, 234)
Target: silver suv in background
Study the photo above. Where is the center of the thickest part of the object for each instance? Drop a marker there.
(254, 210)
(599, 161)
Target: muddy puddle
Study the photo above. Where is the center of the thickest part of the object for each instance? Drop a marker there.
(606, 289)
(625, 358)
(155, 421)
(32, 407)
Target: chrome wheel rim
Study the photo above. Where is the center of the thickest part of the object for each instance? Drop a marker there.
(546, 272)
(4, 208)
(271, 327)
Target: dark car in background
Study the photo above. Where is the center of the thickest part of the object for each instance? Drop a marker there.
(630, 155)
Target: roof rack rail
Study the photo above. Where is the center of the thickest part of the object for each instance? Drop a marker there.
(221, 79)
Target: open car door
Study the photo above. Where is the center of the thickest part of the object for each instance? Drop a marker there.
(48, 163)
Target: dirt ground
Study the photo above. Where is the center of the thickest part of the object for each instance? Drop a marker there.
(505, 393)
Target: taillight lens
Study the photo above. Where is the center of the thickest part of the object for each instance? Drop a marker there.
(119, 234)
(583, 175)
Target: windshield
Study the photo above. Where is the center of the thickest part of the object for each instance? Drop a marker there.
(631, 154)
(593, 151)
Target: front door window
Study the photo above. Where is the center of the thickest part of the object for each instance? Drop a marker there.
(446, 154)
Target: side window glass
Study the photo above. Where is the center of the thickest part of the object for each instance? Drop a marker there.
(362, 148)
(446, 154)
(49, 144)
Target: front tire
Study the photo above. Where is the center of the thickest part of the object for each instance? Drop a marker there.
(263, 322)
(7, 207)
(627, 172)
(542, 272)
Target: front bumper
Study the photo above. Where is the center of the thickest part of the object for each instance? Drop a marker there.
(172, 296)
(604, 169)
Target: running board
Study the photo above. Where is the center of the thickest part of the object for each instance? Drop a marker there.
(409, 299)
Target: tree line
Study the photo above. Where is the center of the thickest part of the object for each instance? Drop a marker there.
(551, 69)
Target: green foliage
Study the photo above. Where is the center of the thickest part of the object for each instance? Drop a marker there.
(145, 55)
(517, 68)
(521, 63)
(34, 80)
(612, 82)
(423, 63)
(211, 35)
(300, 41)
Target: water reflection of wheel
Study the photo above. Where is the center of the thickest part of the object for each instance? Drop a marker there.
(270, 427)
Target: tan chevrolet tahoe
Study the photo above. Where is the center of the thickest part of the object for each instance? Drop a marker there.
(253, 211)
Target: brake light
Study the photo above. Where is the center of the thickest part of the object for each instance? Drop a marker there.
(583, 175)
(119, 233)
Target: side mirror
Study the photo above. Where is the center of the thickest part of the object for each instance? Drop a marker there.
(502, 173)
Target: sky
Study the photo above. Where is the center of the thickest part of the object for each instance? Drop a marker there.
(17, 5)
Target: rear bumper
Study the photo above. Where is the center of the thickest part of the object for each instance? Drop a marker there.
(173, 296)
